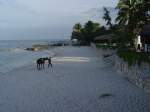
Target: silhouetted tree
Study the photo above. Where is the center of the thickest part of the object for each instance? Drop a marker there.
(87, 33)
(107, 17)
(77, 32)
(132, 16)
(90, 30)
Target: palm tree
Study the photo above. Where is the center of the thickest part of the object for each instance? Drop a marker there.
(77, 27)
(90, 30)
(87, 33)
(107, 17)
(131, 15)
(77, 32)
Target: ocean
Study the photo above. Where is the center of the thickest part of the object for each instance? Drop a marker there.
(13, 55)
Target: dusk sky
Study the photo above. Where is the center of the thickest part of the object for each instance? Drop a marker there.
(45, 19)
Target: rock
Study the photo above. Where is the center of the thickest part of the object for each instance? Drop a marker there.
(105, 95)
(30, 49)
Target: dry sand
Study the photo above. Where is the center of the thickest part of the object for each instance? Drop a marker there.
(80, 81)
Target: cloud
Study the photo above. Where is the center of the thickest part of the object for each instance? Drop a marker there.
(96, 14)
(46, 15)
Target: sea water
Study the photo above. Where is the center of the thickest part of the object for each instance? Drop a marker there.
(13, 55)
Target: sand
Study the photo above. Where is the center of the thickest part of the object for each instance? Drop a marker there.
(80, 81)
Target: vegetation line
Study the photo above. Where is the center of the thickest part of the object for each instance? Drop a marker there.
(133, 16)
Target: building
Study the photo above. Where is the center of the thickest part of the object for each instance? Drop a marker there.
(148, 9)
(145, 38)
(104, 39)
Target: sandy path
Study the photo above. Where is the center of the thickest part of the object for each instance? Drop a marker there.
(75, 83)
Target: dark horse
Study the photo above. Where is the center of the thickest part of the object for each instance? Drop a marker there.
(41, 62)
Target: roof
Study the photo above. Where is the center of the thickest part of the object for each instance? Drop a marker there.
(105, 37)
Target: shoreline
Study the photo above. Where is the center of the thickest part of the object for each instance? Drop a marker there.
(25, 61)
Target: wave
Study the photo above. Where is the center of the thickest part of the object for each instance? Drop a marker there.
(17, 50)
(13, 54)
(12, 50)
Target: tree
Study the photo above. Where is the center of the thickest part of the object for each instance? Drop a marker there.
(87, 33)
(77, 27)
(123, 37)
(131, 15)
(90, 30)
(77, 32)
(107, 17)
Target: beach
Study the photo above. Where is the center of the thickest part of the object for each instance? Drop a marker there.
(79, 81)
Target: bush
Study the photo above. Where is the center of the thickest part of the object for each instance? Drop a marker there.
(106, 46)
(132, 57)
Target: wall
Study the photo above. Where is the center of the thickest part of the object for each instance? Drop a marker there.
(138, 75)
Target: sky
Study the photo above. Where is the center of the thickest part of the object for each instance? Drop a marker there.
(46, 19)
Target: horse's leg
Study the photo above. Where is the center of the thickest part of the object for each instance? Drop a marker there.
(43, 65)
(48, 65)
(37, 66)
